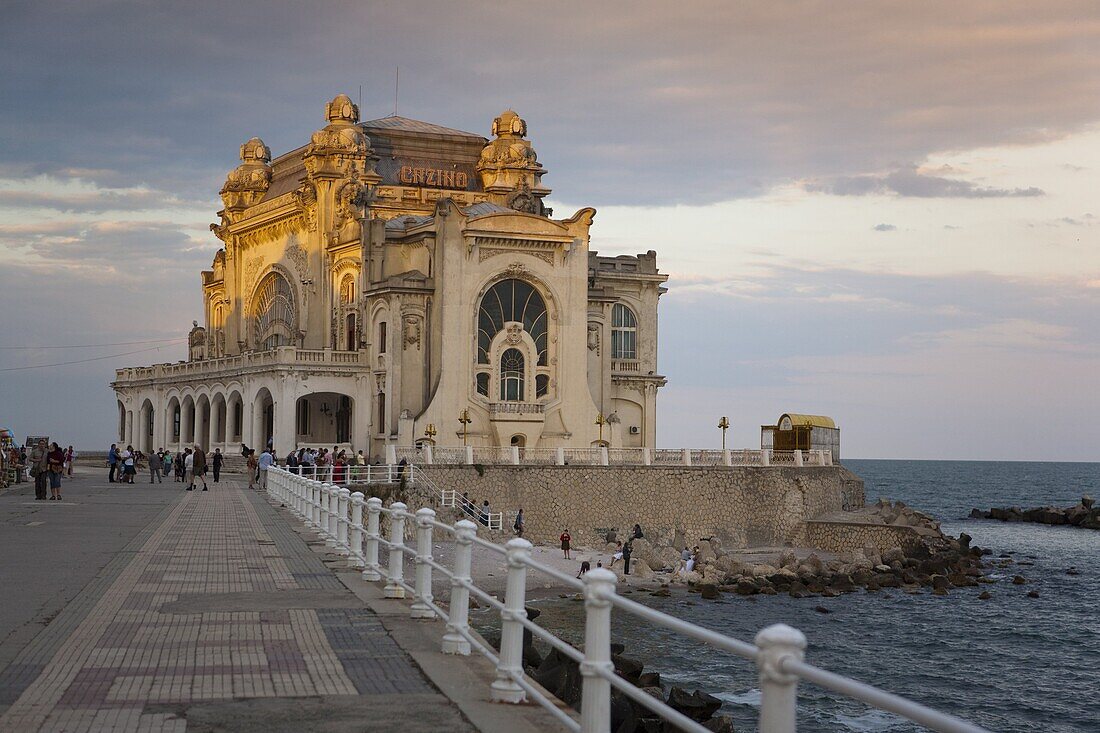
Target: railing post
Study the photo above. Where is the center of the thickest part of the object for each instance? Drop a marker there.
(765, 457)
(828, 453)
(333, 514)
(317, 507)
(778, 689)
(727, 457)
(469, 455)
(429, 458)
(323, 499)
(458, 618)
(603, 455)
(343, 496)
(685, 455)
(559, 456)
(515, 455)
(421, 608)
(647, 456)
(393, 588)
(798, 458)
(599, 586)
(355, 537)
(504, 687)
(371, 569)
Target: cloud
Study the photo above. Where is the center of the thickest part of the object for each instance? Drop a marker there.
(910, 181)
(95, 201)
(884, 228)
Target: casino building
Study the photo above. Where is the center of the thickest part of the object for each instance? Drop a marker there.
(393, 275)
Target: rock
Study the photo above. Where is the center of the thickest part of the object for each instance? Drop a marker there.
(650, 679)
(787, 559)
(561, 676)
(763, 571)
(1072, 571)
(985, 595)
(661, 592)
(693, 578)
(1087, 502)
(939, 592)
(709, 592)
(1019, 580)
(822, 609)
(720, 724)
(978, 514)
(894, 554)
(699, 706)
(1033, 594)
(964, 542)
(628, 669)
(746, 587)
(624, 713)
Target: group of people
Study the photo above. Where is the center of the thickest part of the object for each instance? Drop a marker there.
(622, 553)
(185, 466)
(481, 513)
(46, 464)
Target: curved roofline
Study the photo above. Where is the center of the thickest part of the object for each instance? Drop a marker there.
(815, 421)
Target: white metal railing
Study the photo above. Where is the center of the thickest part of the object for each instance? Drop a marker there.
(351, 524)
(604, 456)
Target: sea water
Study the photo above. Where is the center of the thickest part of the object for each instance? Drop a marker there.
(1011, 663)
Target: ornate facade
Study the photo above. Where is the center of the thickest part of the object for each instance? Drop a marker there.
(394, 275)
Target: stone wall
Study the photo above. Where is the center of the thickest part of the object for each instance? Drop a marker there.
(833, 536)
(744, 506)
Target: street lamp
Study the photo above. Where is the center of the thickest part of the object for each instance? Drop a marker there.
(429, 432)
(600, 420)
(464, 418)
(724, 423)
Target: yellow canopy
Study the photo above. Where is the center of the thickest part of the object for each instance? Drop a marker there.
(812, 421)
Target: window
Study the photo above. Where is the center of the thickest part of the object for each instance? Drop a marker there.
(511, 300)
(176, 422)
(382, 337)
(351, 336)
(273, 313)
(542, 385)
(511, 376)
(483, 383)
(347, 290)
(624, 333)
(381, 427)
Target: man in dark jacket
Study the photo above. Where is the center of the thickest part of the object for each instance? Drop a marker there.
(39, 469)
(628, 548)
(217, 461)
(112, 461)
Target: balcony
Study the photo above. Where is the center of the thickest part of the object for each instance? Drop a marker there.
(249, 361)
(516, 411)
(626, 366)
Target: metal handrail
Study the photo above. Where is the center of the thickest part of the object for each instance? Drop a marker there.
(339, 517)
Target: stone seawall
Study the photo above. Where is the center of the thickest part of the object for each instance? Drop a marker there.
(838, 537)
(744, 506)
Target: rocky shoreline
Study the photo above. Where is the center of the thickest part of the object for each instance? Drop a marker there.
(1083, 514)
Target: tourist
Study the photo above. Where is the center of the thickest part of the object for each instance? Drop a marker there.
(292, 461)
(361, 460)
(467, 505)
(565, 539)
(188, 469)
(338, 468)
(70, 456)
(129, 464)
(685, 555)
(689, 563)
(156, 462)
(486, 510)
(112, 462)
(198, 468)
(253, 469)
(585, 567)
(628, 549)
(181, 465)
(55, 462)
(264, 463)
(637, 533)
(166, 459)
(216, 463)
(39, 469)
(618, 554)
(517, 526)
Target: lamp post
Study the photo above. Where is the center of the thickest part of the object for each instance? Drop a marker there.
(600, 420)
(429, 432)
(464, 418)
(724, 424)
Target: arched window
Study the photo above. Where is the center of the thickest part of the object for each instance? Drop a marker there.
(483, 383)
(511, 300)
(511, 376)
(347, 289)
(176, 422)
(624, 333)
(274, 315)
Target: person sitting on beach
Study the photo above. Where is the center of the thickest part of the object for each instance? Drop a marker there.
(637, 532)
(618, 554)
(585, 567)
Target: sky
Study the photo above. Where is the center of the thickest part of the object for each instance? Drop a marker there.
(886, 212)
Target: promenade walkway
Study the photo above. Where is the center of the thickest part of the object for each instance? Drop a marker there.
(217, 615)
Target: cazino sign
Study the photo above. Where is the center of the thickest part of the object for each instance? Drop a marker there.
(410, 175)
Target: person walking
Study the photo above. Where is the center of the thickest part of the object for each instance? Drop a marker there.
(112, 462)
(265, 462)
(216, 463)
(70, 456)
(39, 468)
(188, 469)
(55, 461)
(169, 463)
(198, 468)
(156, 462)
(565, 539)
(181, 464)
(486, 510)
(253, 469)
(517, 526)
